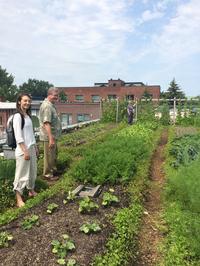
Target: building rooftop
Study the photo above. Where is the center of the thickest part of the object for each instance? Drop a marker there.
(7, 105)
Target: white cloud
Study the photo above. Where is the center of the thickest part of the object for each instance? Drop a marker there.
(181, 37)
(150, 15)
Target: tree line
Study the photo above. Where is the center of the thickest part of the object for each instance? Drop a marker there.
(8, 90)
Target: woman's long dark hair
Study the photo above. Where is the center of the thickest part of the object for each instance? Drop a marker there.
(18, 107)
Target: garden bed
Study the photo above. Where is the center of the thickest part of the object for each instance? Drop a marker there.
(33, 247)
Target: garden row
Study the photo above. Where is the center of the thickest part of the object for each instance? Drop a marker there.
(124, 158)
(67, 154)
(182, 197)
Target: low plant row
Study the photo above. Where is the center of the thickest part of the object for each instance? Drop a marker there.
(182, 212)
(121, 248)
(65, 158)
(116, 159)
(185, 149)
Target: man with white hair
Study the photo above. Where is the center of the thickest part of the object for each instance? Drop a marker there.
(50, 130)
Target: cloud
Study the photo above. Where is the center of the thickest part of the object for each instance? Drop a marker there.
(148, 15)
(180, 38)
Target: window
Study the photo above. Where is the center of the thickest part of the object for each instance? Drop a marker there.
(66, 119)
(83, 117)
(95, 98)
(130, 97)
(79, 98)
(1, 121)
(112, 97)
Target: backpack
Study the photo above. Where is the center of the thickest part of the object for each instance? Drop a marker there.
(10, 135)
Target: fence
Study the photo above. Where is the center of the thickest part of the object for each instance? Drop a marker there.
(167, 110)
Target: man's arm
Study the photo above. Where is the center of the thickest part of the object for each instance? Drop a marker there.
(47, 127)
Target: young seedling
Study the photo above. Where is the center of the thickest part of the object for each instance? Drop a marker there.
(5, 238)
(61, 248)
(72, 262)
(51, 208)
(88, 228)
(30, 221)
(87, 205)
(109, 199)
(71, 197)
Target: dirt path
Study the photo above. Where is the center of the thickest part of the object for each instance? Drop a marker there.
(150, 235)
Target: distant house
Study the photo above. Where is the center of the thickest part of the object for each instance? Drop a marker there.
(9, 108)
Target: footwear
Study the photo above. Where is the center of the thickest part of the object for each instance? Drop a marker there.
(51, 178)
(32, 193)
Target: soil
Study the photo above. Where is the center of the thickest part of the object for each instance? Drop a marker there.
(33, 247)
(150, 236)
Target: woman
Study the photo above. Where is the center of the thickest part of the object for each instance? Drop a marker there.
(26, 151)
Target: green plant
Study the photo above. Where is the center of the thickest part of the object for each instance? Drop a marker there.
(5, 238)
(61, 248)
(51, 208)
(109, 199)
(88, 228)
(87, 205)
(70, 197)
(72, 262)
(29, 222)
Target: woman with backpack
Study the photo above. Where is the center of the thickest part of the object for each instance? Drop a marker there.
(26, 150)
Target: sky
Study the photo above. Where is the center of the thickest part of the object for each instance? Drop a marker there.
(80, 42)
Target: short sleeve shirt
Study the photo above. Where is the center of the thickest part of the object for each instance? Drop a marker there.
(48, 113)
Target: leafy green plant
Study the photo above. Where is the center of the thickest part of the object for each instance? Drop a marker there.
(87, 205)
(61, 248)
(29, 222)
(72, 262)
(5, 238)
(70, 197)
(88, 228)
(109, 199)
(51, 208)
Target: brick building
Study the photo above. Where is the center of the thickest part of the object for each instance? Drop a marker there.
(84, 103)
(111, 90)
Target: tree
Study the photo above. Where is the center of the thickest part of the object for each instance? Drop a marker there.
(146, 95)
(174, 91)
(8, 90)
(63, 97)
(37, 88)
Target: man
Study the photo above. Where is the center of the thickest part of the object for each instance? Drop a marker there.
(50, 130)
(130, 112)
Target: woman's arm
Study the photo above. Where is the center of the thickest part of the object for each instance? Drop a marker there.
(17, 125)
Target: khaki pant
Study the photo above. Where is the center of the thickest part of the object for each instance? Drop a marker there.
(25, 172)
(50, 158)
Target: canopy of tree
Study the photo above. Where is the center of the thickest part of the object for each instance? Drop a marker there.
(173, 91)
(8, 90)
(37, 88)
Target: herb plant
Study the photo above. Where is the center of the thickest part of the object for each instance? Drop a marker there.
(88, 228)
(51, 208)
(61, 248)
(30, 221)
(109, 199)
(87, 205)
(5, 238)
(70, 197)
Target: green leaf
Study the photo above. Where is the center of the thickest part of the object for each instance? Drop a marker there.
(61, 261)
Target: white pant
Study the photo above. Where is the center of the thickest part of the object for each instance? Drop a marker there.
(25, 172)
